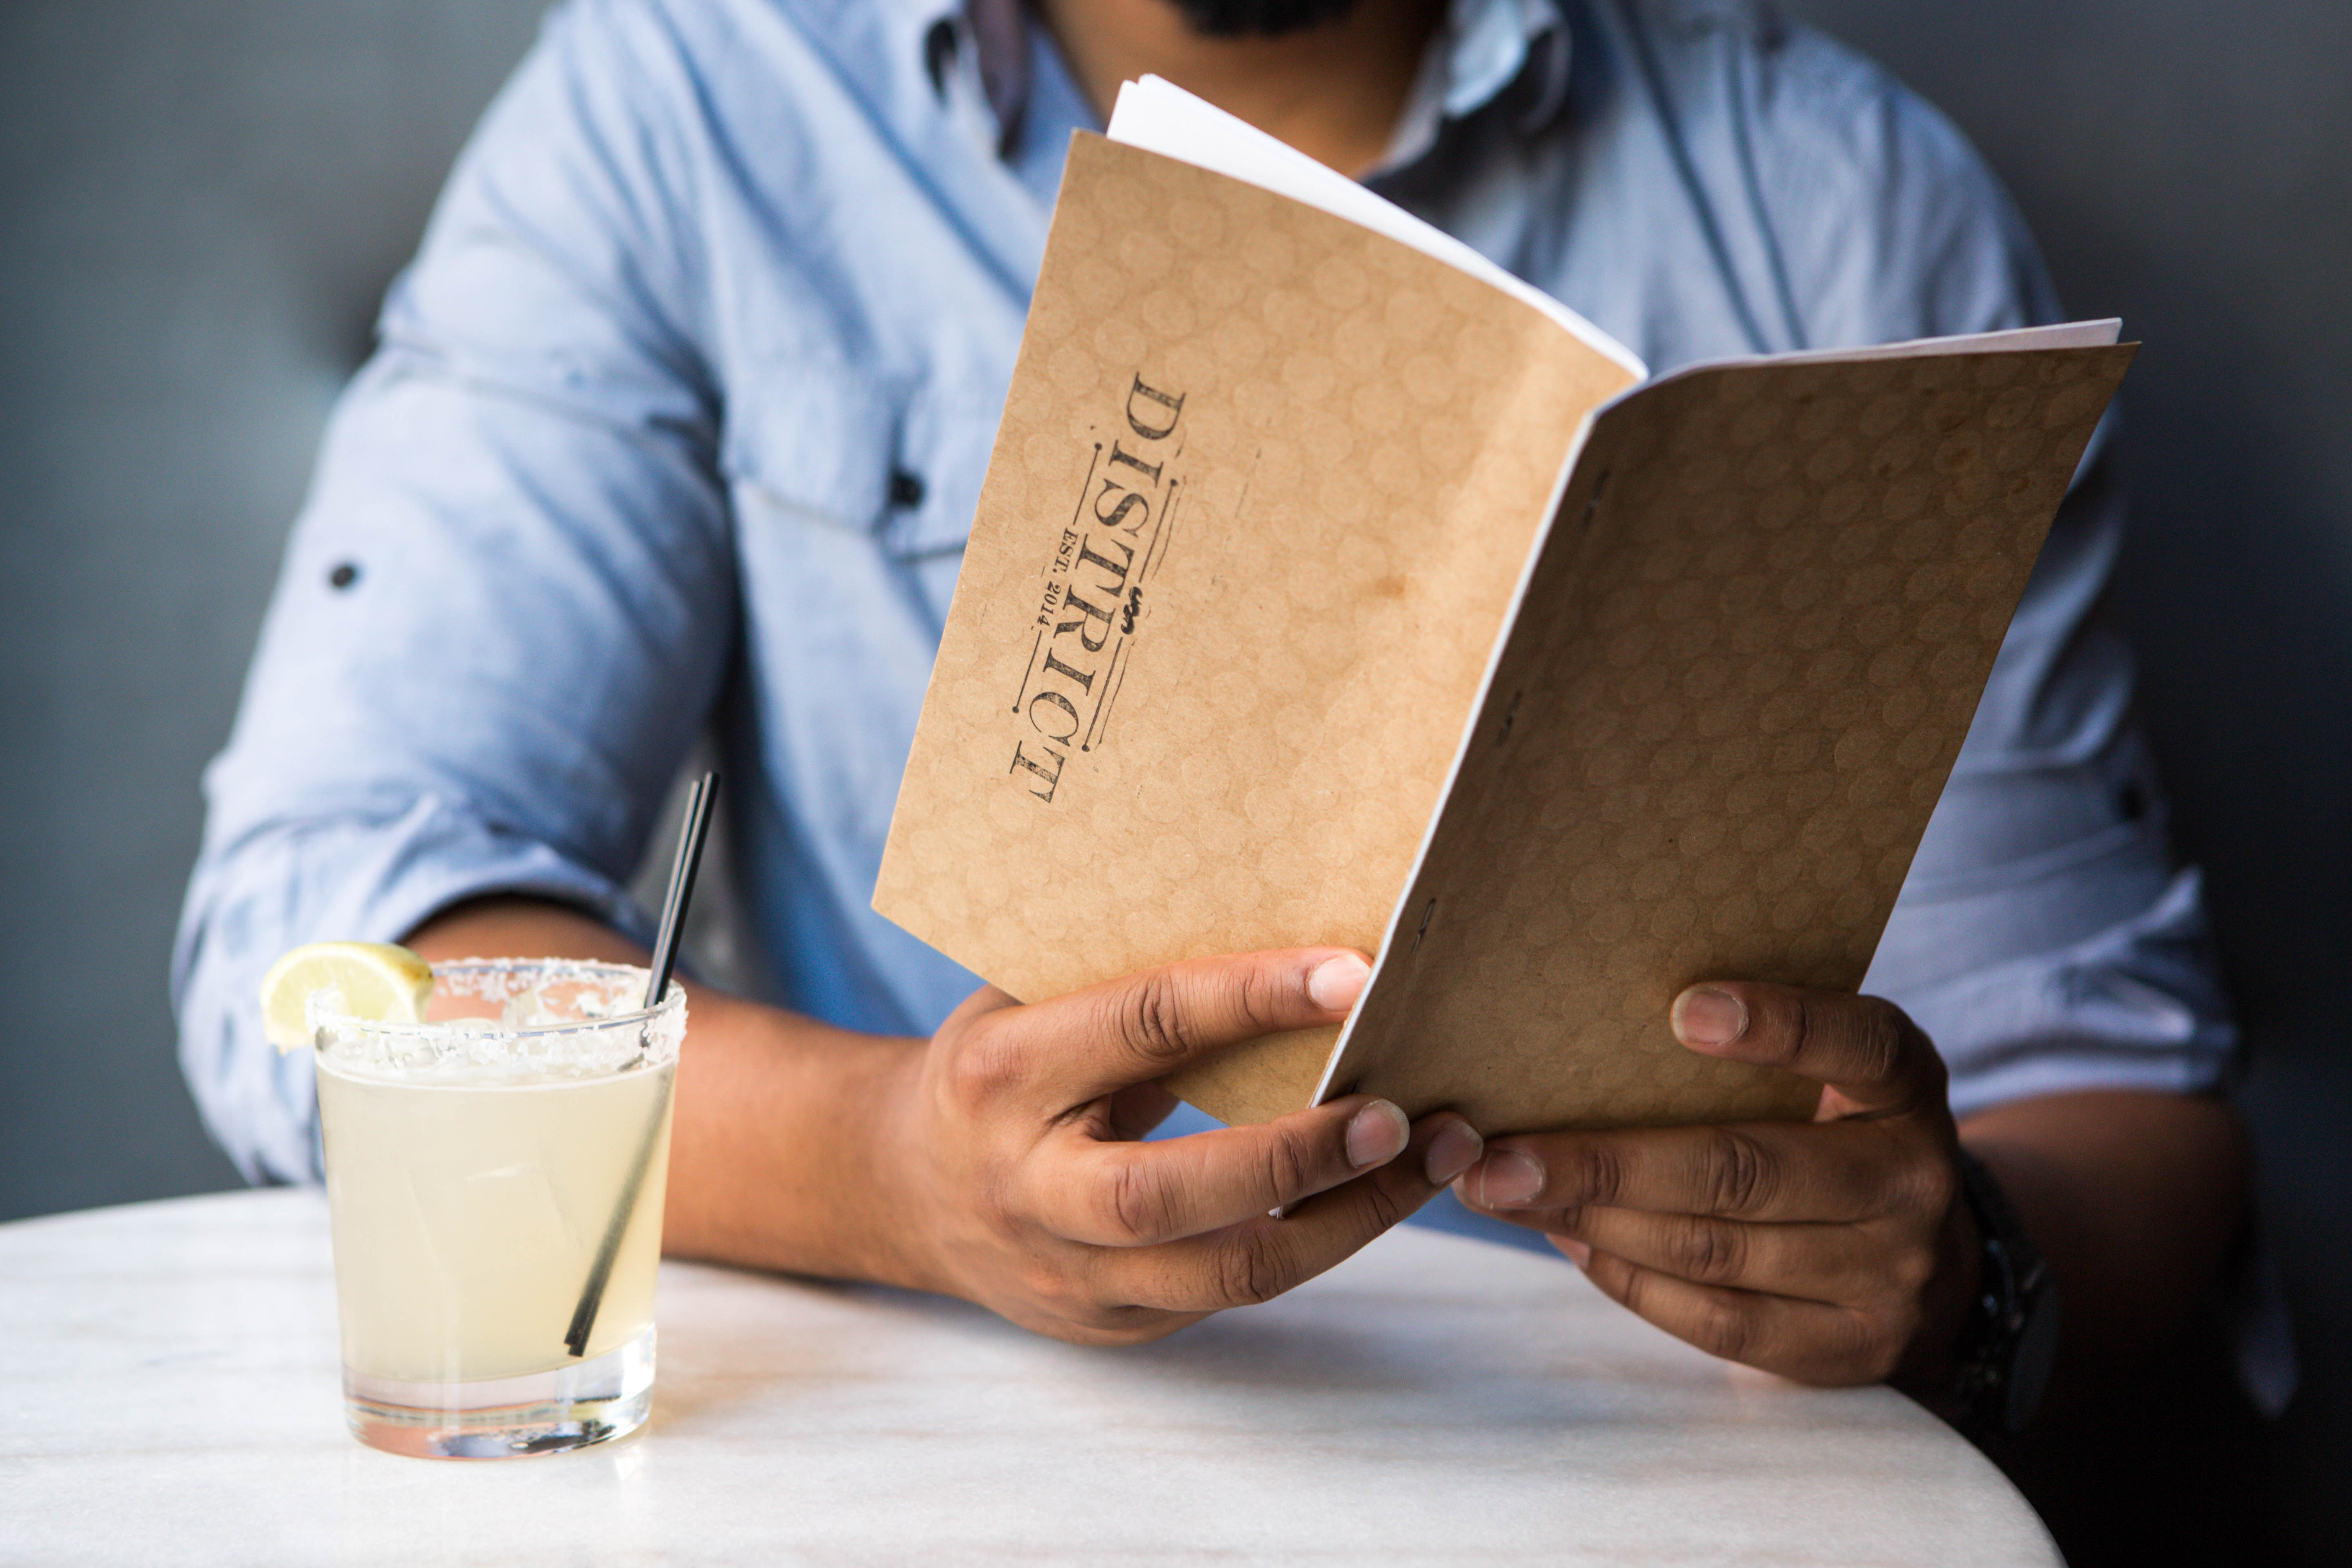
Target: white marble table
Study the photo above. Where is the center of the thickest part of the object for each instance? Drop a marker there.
(168, 1394)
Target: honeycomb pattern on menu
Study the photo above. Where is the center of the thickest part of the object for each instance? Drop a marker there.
(1766, 615)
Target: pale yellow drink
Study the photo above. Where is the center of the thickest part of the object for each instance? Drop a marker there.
(467, 1219)
(496, 1194)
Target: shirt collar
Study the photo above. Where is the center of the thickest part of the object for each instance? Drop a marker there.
(1481, 49)
(985, 42)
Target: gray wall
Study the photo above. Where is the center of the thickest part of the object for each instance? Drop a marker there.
(200, 205)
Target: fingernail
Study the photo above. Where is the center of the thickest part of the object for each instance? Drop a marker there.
(1706, 1016)
(1377, 1134)
(1509, 1177)
(1578, 1253)
(1455, 1150)
(1336, 983)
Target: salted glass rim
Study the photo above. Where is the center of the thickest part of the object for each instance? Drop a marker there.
(322, 1017)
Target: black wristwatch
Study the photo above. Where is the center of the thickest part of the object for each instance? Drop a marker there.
(2013, 1334)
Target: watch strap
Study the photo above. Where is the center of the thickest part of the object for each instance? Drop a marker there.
(2011, 1336)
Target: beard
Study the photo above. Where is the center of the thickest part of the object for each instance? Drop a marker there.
(1259, 18)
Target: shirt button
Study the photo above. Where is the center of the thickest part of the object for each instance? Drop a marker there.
(906, 488)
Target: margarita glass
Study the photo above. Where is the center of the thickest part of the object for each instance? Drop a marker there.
(495, 1177)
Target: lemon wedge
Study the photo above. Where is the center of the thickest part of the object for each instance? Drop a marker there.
(377, 981)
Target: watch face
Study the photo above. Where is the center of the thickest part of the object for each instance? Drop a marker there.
(2030, 1359)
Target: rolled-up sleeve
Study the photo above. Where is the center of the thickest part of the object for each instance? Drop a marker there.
(508, 600)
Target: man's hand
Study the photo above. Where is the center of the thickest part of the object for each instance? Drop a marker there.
(1834, 1252)
(1026, 1191)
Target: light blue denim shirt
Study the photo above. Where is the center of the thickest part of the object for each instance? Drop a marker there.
(679, 418)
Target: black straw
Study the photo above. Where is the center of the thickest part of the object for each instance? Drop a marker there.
(681, 888)
(681, 884)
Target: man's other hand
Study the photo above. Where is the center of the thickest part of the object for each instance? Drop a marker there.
(1837, 1251)
(1027, 1189)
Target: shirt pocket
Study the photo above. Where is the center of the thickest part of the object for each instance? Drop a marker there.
(833, 450)
(945, 438)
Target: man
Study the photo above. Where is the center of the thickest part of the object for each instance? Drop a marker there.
(679, 418)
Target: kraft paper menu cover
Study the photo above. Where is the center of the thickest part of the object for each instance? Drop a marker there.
(1330, 587)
